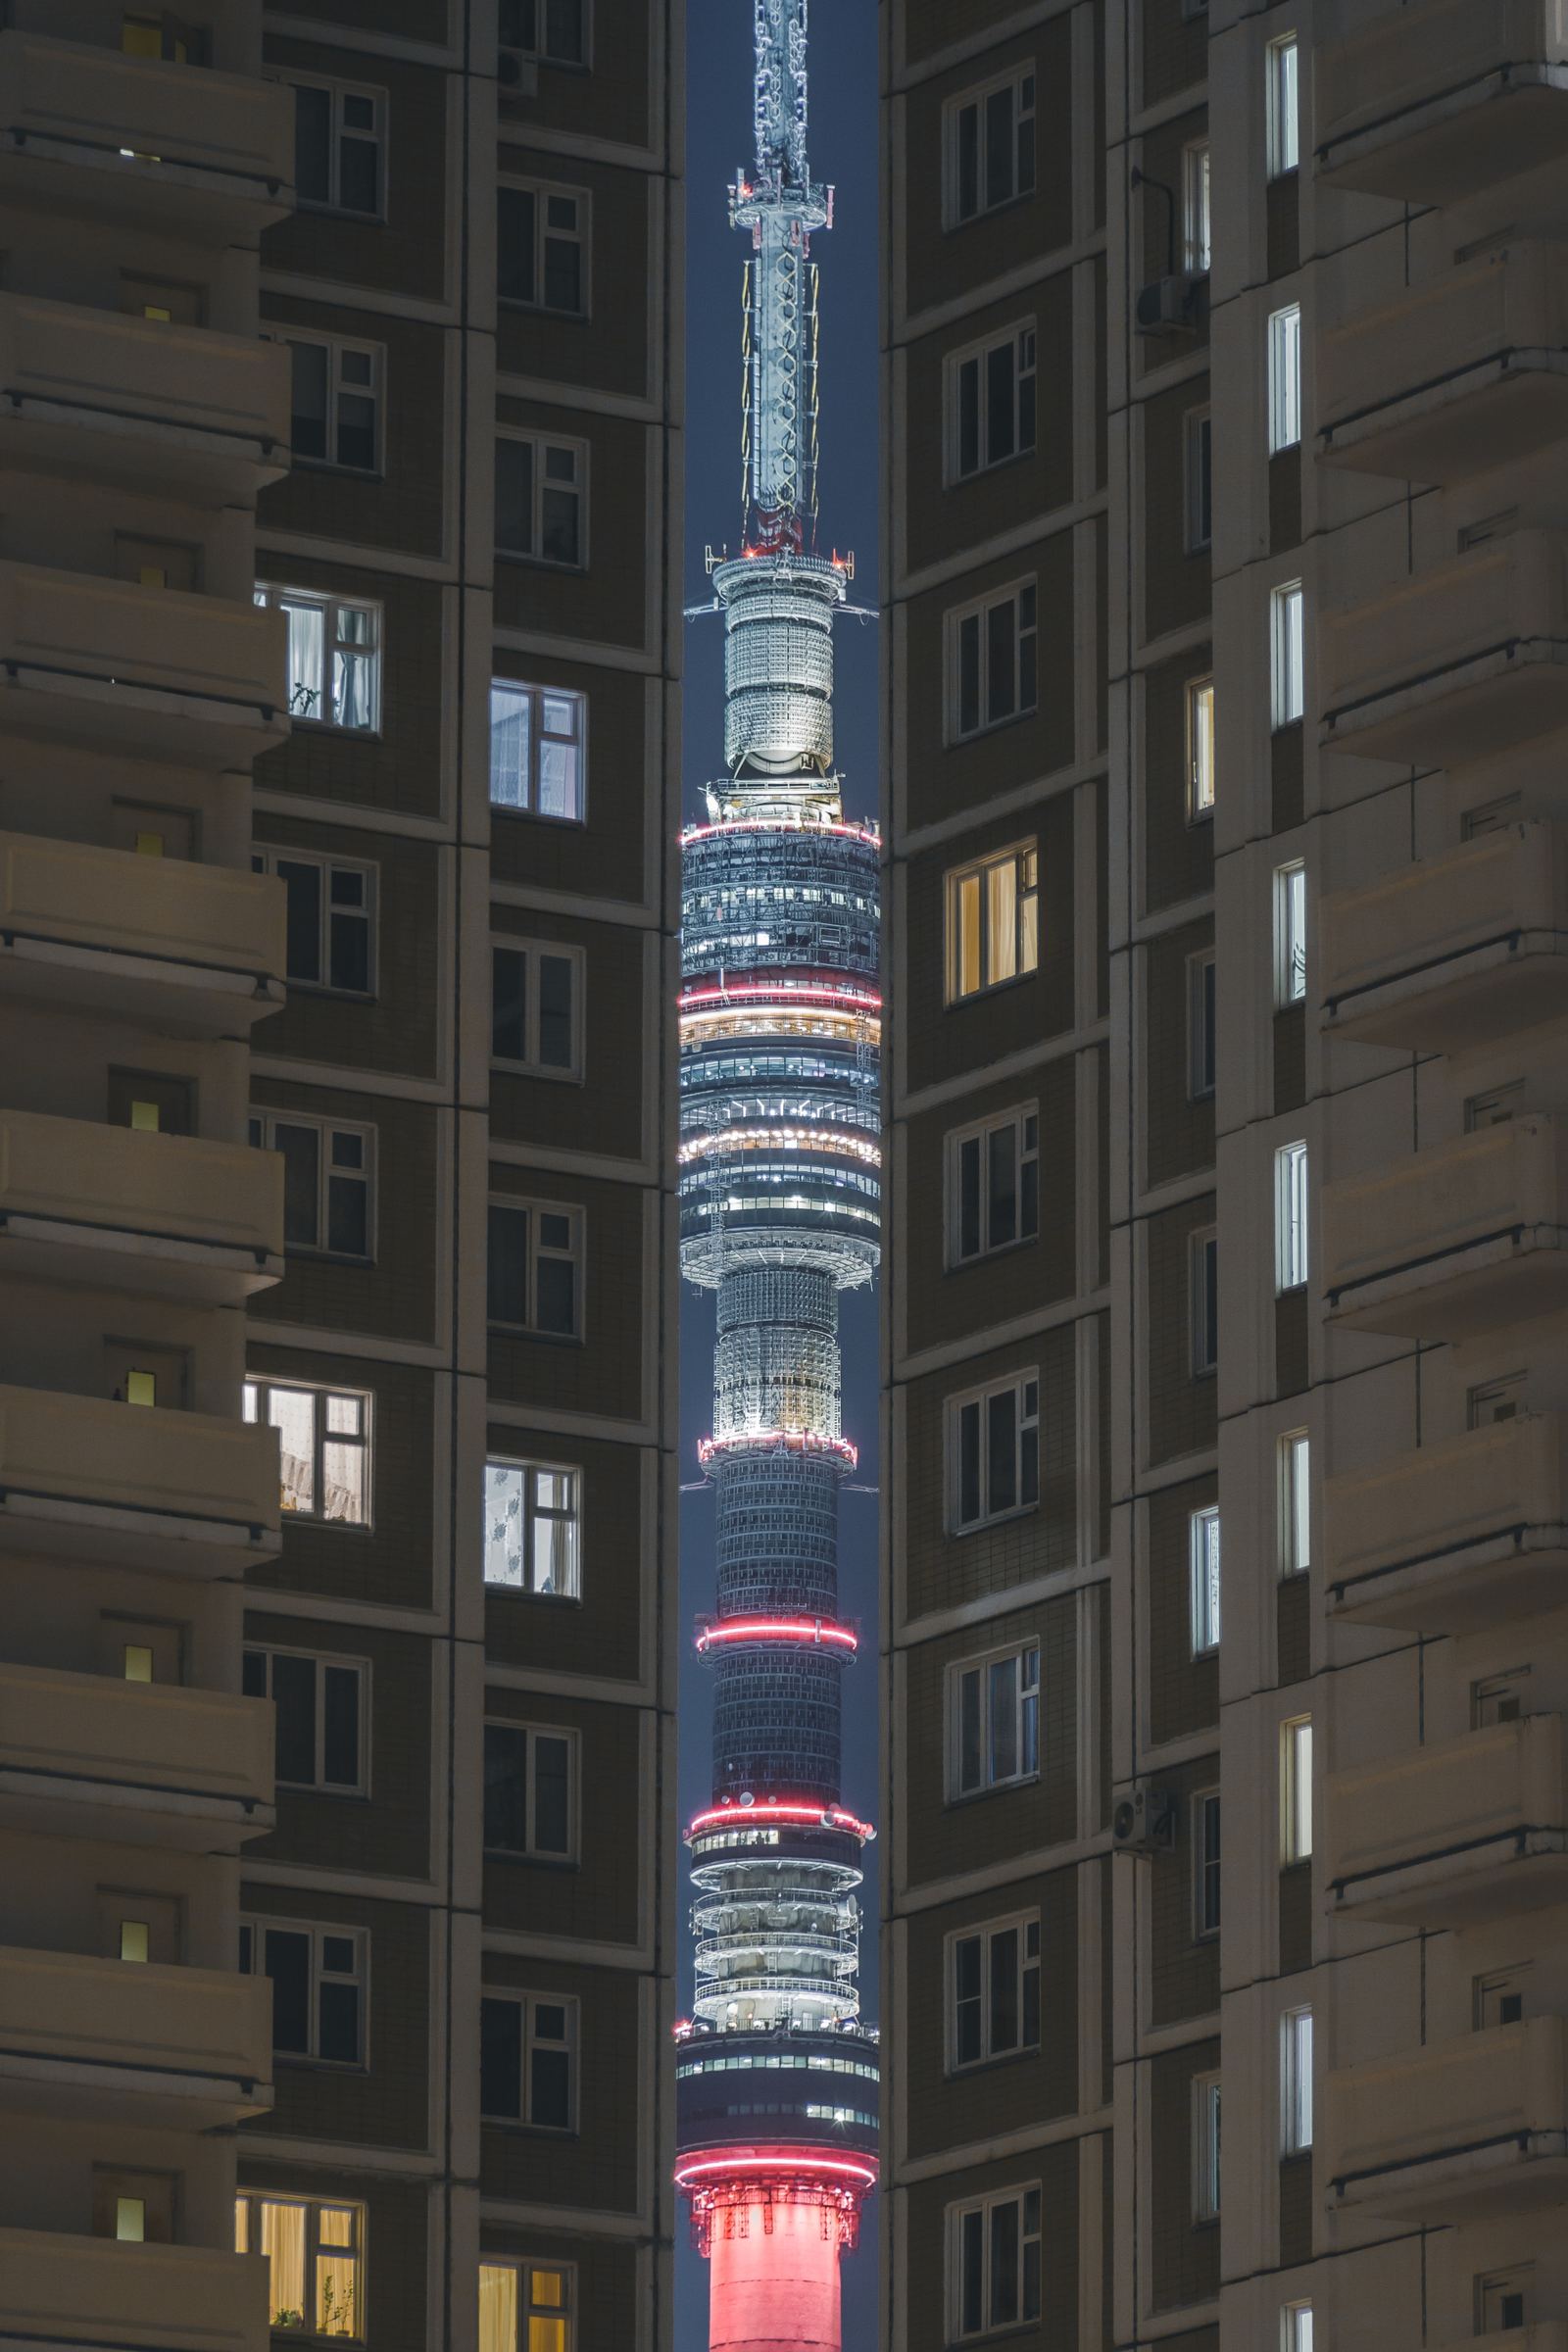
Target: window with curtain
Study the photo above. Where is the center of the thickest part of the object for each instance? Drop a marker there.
(313, 2251)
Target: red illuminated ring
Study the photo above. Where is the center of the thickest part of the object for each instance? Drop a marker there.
(697, 2170)
(768, 1811)
(810, 1632)
(752, 824)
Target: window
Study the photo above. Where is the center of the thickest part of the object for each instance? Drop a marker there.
(989, 148)
(995, 1728)
(1199, 749)
(1195, 216)
(994, 1992)
(1296, 2081)
(992, 1186)
(994, 2263)
(1495, 1106)
(320, 1718)
(1206, 1864)
(1499, 1697)
(1205, 2148)
(1295, 1790)
(538, 736)
(155, 34)
(528, 2306)
(1290, 1216)
(1290, 934)
(323, 1448)
(1284, 107)
(542, 248)
(541, 501)
(338, 146)
(1203, 1554)
(991, 663)
(330, 924)
(555, 32)
(1295, 2327)
(535, 992)
(1203, 1301)
(1286, 675)
(992, 921)
(1198, 443)
(532, 1523)
(994, 1447)
(1505, 2299)
(1284, 380)
(334, 658)
(328, 1179)
(336, 403)
(991, 404)
(1200, 1039)
(1293, 1473)
(1498, 1998)
(314, 2253)
(527, 2045)
(528, 1786)
(318, 1977)
(534, 1279)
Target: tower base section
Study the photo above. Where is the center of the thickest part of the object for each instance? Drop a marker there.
(774, 2274)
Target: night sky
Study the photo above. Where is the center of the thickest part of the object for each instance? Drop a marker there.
(842, 151)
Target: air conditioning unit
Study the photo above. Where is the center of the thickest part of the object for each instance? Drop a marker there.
(1145, 1823)
(1165, 306)
(518, 76)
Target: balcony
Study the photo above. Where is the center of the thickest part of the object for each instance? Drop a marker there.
(167, 1215)
(197, 950)
(111, 664)
(122, 2039)
(1454, 1538)
(84, 1756)
(1467, 659)
(1448, 953)
(1454, 2130)
(1434, 101)
(1442, 1835)
(140, 1485)
(208, 157)
(1445, 1244)
(83, 2293)
(204, 416)
(1452, 379)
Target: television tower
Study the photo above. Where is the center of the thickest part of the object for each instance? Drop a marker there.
(777, 2076)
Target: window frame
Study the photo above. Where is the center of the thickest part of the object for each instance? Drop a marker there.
(532, 951)
(564, 2311)
(1025, 666)
(1296, 2326)
(336, 92)
(258, 1925)
(1296, 2080)
(1024, 1926)
(1018, 1386)
(541, 191)
(1025, 109)
(268, 857)
(1297, 1825)
(323, 1662)
(1282, 106)
(570, 1857)
(1024, 858)
(255, 1385)
(1203, 1035)
(1292, 1457)
(1203, 1301)
(1290, 934)
(1208, 1865)
(1284, 378)
(538, 737)
(1292, 1216)
(1026, 2305)
(1287, 664)
(575, 1253)
(335, 346)
(246, 2200)
(1024, 1702)
(540, 55)
(1205, 2158)
(1203, 1601)
(531, 1513)
(1202, 763)
(268, 1117)
(1026, 1154)
(1198, 480)
(533, 553)
(1197, 209)
(1021, 339)
(277, 596)
(530, 1999)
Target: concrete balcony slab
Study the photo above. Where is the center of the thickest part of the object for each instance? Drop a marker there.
(1452, 2131)
(93, 2293)
(132, 2041)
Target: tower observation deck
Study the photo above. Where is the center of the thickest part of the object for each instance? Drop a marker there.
(776, 2075)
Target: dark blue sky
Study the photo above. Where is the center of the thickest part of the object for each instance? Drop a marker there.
(843, 151)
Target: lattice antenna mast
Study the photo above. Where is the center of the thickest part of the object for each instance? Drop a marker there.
(781, 205)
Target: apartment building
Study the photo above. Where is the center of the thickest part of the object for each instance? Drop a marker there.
(1224, 618)
(336, 1441)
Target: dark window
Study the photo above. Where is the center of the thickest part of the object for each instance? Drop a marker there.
(317, 1717)
(506, 1787)
(501, 2059)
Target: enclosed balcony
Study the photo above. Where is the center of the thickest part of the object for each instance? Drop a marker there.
(1465, 659)
(1453, 378)
(208, 157)
(84, 1756)
(1461, 1238)
(90, 2292)
(1454, 1538)
(92, 1479)
(1447, 953)
(1431, 102)
(197, 950)
(104, 395)
(1454, 2130)
(171, 1215)
(130, 2040)
(1440, 1836)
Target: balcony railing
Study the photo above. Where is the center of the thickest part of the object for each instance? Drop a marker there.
(86, 2292)
(1456, 1536)
(1438, 1836)
(1453, 2129)
(198, 2042)
(1453, 1240)
(1435, 100)
(1447, 953)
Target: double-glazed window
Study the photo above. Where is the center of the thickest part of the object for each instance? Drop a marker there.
(1201, 779)
(1284, 378)
(1203, 1555)
(323, 1440)
(334, 657)
(532, 1528)
(992, 2263)
(1295, 1790)
(1287, 655)
(534, 1267)
(1206, 1864)
(1289, 933)
(1283, 100)
(1195, 210)
(992, 921)
(329, 934)
(993, 1991)
(335, 405)
(528, 2306)
(992, 667)
(328, 1179)
(1295, 2327)
(1294, 1487)
(528, 1790)
(528, 2060)
(1296, 2081)
(542, 247)
(313, 2251)
(1205, 2148)
(535, 992)
(1201, 1033)
(320, 1717)
(995, 1721)
(339, 144)
(1203, 1301)
(992, 1186)
(991, 403)
(538, 736)
(1198, 452)
(994, 1453)
(988, 148)
(556, 34)
(542, 500)
(1291, 1215)
(317, 1976)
